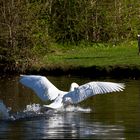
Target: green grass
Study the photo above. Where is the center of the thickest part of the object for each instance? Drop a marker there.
(95, 55)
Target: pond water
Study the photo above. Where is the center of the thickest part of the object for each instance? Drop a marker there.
(109, 116)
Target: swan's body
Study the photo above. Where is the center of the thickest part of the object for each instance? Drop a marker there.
(45, 90)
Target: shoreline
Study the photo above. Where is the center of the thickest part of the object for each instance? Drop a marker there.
(123, 71)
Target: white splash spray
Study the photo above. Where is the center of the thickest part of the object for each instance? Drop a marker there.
(35, 110)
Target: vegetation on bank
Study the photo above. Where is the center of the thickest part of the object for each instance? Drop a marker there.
(93, 55)
(54, 33)
(90, 60)
(85, 59)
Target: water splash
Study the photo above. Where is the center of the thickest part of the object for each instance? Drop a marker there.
(35, 111)
(33, 108)
(74, 109)
(3, 111)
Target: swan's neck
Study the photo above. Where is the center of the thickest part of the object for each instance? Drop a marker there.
(73, 86)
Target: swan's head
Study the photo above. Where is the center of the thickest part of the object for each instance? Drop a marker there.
(73, 86)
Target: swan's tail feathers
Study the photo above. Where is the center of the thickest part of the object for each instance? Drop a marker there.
(53, 106)
(44, 89)
(57, 103)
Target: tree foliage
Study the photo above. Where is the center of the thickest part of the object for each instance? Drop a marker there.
(31, 25)
(22, 30)
(94, 21)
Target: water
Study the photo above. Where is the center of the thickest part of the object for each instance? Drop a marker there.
(112, 116)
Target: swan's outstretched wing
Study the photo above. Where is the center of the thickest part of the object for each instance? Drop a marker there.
(44, 89)
(93, 88)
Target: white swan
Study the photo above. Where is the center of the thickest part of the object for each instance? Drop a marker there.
(45, 90)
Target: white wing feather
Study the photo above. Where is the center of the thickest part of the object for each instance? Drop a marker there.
(93, 88)
(44, 89)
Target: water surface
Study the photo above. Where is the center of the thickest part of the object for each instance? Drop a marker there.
(112, 116)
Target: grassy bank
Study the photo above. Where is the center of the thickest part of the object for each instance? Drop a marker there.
(84, 59)
(120, 60)
(125, 54)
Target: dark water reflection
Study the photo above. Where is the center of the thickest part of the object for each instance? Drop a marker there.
(113, 116)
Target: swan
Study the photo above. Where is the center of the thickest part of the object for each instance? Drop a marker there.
(45, 90)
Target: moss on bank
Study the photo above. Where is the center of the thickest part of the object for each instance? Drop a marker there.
(127, 71)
